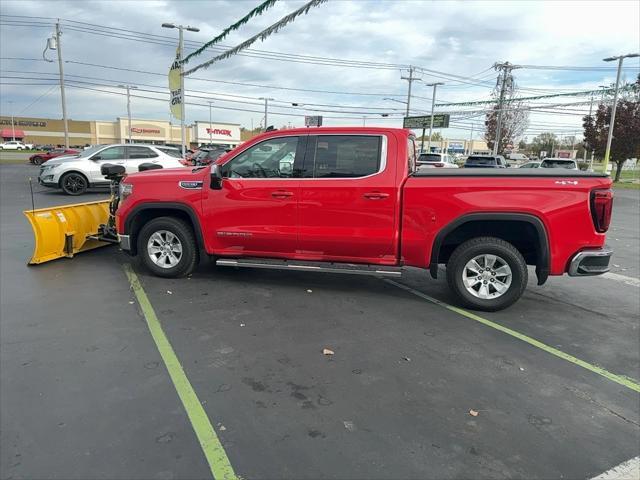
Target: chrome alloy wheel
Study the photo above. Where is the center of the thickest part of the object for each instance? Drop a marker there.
(487, 276)
(164, 249)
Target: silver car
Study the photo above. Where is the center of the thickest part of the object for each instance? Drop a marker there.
(74, 174)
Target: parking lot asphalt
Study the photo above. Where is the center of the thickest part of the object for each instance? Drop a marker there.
(84, 392)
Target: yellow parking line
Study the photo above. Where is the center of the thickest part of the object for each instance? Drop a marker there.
(622, 380)
(213, 450)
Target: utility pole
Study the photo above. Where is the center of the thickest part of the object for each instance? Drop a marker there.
(181, 28)
(128, 88)
(210, 125)
(433, 105)
(470, 149)
(410, 79)
(584, 157)
(13, 127)
(506, 68)
(266, 110)
(62, 95)
(620, 58)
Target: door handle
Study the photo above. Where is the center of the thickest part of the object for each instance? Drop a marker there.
(375, 195)
(281, 194)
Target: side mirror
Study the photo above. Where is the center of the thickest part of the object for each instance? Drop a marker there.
(216, 177)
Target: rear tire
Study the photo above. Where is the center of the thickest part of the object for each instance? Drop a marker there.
(167, 247)
(487, 273)
(73, 183)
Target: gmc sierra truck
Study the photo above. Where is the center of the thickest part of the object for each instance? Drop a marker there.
(352, 200)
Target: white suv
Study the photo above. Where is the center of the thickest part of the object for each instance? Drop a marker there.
(435, 160)
(13, 145)
(74, 174)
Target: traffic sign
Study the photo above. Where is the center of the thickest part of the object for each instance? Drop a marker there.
(439, 121)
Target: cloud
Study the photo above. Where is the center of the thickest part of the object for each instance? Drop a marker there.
(463, 38)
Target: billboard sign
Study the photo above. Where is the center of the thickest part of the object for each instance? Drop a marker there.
(440, 120)
(224, 133)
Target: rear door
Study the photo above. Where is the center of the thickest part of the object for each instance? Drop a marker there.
(137, 155)
(348, 199)
(256, 211)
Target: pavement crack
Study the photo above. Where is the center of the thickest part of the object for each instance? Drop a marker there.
(585, 396)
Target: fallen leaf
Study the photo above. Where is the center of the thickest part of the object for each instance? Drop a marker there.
(131, 303)
(327, 351)
(309, 290)
(169, 292)
(473, 413)
(222, 428)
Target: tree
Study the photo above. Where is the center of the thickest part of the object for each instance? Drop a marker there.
(545, 142)
(515, 118)
(626, 130)
(435, 137)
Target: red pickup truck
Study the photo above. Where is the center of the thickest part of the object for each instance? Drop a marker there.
(352, 200)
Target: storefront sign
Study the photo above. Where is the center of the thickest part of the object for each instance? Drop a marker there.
(23, 123)
(155, 131)
(219, 131)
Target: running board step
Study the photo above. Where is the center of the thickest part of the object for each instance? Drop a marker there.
(349, 268)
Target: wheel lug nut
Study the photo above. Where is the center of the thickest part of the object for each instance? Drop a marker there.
(484, 281)
(491, 280)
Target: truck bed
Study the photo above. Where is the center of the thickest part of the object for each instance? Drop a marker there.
(504, 172)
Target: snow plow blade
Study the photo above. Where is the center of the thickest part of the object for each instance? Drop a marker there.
(66, 230)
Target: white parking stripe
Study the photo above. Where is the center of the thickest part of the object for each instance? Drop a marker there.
(634, 282)
(629, 470)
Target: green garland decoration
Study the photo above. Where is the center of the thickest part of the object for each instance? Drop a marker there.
(259, 10)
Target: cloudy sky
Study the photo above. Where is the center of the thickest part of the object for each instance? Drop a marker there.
(106, 43)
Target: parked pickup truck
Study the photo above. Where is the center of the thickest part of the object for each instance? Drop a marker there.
(352, 200)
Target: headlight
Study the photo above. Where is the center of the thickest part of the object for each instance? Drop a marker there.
(126, 189)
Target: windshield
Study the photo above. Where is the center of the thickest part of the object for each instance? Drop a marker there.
(430, 157)
(481, 161)
(90, 151)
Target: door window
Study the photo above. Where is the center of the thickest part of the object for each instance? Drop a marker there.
(272, 158)
(141, 152)
(111, 153)
(344, 156)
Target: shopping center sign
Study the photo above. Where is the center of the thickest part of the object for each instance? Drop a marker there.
(223, 133)
(440, 120)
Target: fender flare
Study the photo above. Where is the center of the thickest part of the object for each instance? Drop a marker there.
(176, 206)
(544, 255)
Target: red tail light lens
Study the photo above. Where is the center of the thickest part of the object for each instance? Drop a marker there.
(601, 207)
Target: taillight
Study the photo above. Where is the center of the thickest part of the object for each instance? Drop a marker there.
(601, 206)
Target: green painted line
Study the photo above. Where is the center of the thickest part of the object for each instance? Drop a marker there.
(620, 379)
(213, 450)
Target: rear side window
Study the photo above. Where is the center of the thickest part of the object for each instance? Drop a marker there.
(172, 152)
(141, 152)
(479, 160)
(558, 164)
(343, 156)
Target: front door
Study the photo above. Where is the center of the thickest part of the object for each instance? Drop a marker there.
(255, 212)
(348, 199)
(114, 155)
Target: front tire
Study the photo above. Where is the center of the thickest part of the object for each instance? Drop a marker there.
(37, 160)
(167, 247)
(487, 273)
(73, 183)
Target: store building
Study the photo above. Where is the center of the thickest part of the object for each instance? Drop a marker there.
(43, 131)
(215, 133)
(157, 132)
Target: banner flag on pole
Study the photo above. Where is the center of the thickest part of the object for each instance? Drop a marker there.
(176, 98)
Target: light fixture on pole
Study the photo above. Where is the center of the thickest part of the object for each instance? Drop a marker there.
(129, 88)
(266, 110)
(181, 29)
(620, 58)
(433, 105)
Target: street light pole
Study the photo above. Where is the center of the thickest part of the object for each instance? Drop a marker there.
(181, 29)
(210, 125)
(128, 88)
(62, 95)
(620, 58)
(266, 110)
(433, 105)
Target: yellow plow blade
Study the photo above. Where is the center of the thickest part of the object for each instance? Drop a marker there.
(66, 230)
